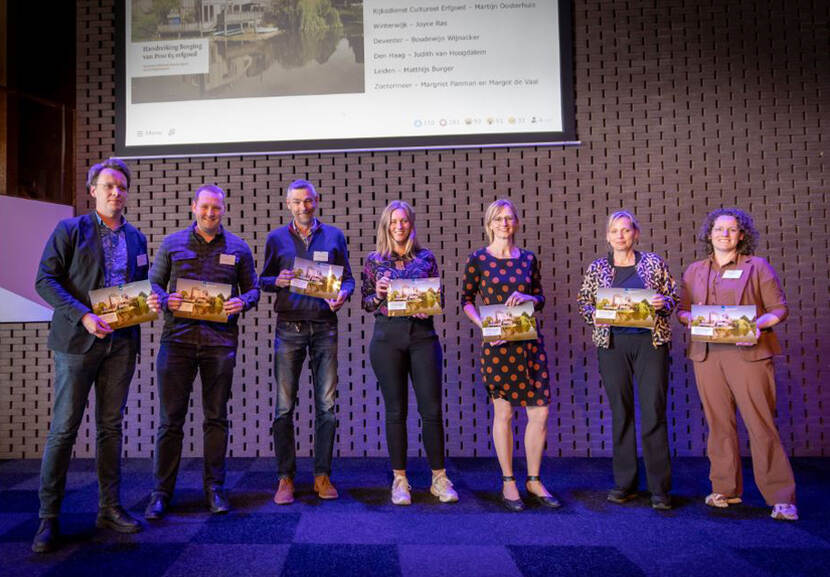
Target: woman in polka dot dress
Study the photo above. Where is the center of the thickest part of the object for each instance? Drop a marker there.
(515, 374)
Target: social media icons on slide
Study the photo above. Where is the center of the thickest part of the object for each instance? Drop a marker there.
(471, 121)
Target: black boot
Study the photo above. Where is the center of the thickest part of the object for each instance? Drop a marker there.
(46, 538)
(217, 501)
(156, 508)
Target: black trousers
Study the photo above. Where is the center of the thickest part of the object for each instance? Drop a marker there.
(177, 365)
(404, 348)
(632, 358)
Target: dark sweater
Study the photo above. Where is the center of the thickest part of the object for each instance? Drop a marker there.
(281, 247)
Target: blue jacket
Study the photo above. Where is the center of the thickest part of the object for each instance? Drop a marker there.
(73, 264)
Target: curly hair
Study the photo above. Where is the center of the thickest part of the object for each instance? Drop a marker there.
(746, 245)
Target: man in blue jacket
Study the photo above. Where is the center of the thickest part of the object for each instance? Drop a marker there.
(89, 252)
(304, 324)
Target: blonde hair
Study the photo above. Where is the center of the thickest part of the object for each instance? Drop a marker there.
(623, 214)
(493, 210)
(384, 239)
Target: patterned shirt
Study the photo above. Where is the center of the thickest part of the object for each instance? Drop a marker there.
(421, 265)
(114, 243)
(226, 259)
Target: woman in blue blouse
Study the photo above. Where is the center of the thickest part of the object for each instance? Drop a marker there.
(405, 347)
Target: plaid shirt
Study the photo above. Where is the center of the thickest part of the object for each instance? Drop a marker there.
(185, 254)
(306, 238)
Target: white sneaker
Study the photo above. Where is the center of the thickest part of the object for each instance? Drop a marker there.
(442, 488)
(400, 491)
(784, 512)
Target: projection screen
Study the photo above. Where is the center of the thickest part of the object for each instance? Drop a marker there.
(253, 76)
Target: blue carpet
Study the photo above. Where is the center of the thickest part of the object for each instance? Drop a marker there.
(362, 533)
(537, 561)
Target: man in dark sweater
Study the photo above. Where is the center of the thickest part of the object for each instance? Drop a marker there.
(204, 251)
(304, 323)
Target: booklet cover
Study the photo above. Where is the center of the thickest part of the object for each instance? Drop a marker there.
(316, 279)
(624, 307)
(724, 324)
(503, 323)
(202, 300)
(123, 305)
(407, 297)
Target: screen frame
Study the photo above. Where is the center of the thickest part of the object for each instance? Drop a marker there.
(567, 136)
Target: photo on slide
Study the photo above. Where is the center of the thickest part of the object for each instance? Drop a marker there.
(215, 49)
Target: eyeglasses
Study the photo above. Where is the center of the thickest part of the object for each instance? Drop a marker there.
(111, 186)
(504, 219)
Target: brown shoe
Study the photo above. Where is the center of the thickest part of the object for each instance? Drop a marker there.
(324, 488)
(285, 492)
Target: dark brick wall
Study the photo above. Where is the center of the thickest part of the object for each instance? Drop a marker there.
(682, 106)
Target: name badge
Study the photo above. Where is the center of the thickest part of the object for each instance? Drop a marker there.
(321, 256)
(227, 259)
(141, 260)
(733, 273)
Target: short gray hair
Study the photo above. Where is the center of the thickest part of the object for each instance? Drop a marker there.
(301, 184)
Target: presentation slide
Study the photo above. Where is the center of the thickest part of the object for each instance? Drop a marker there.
(212, 76)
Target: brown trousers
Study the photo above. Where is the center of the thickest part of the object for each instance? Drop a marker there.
(725, 380)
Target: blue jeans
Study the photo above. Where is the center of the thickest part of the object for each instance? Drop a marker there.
(292, 340)
(109, 364)
(176, 366)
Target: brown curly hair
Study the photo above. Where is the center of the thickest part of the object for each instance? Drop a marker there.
(746, 245)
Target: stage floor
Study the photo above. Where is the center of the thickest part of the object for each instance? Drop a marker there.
(362, 533)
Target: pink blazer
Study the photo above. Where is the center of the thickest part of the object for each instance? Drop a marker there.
(758, 285)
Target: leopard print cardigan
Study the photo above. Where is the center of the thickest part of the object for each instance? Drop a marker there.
(656, 276)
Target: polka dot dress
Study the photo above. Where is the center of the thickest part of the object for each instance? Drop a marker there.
(515, 371)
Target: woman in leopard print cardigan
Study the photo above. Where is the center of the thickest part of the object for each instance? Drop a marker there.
(628, 354)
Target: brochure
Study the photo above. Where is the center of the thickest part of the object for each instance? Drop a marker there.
(316, 279)
(724, 324)
(624, 307)
(202, 300)
(123, 305)
(407, 297)
(504, 323)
